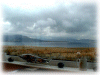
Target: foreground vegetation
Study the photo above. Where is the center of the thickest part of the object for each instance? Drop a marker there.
(57, 53)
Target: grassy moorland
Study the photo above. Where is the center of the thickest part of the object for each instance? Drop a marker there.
(57, 53)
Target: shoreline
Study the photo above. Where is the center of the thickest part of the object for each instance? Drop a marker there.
(43, 46)
(59, 53)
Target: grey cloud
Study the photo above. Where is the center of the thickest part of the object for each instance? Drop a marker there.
(45, 23)
(74, 19)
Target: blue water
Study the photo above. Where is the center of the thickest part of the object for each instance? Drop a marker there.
(50, 44)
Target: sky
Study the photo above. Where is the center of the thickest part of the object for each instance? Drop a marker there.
(50, 19)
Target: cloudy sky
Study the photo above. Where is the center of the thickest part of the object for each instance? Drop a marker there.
(49, 20)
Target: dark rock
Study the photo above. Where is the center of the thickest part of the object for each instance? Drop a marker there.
(60, 65)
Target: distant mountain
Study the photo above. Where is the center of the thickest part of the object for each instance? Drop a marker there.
(81, 41)
(19, 38)
(72, 40)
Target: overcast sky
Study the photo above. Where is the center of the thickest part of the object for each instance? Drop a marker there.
(50, 19)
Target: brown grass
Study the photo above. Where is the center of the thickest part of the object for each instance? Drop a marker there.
(52, 52)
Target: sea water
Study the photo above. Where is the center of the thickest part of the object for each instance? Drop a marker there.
(50, 44)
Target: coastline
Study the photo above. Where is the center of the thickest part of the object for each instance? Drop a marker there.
(58, 53)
